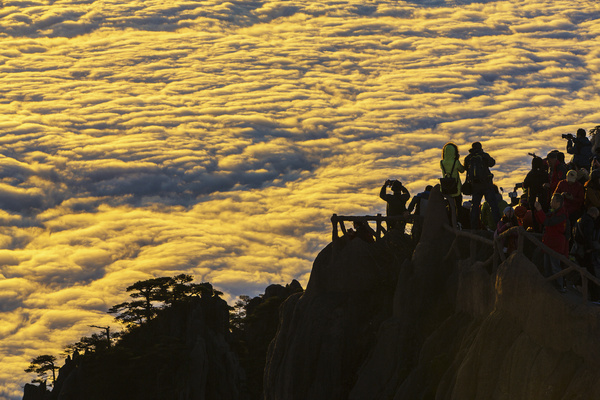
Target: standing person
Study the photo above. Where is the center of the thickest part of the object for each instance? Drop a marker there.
(536, 185)
(418, 204)
(508, 220)
(396, 202)
(557, 169)
(555, 225)
(478, 164)
(592, 190)
(581, 148)
(451, 167)
(487, 219)
(584, 239)
(573, 193)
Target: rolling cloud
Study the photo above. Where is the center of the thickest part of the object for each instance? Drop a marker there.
(153, 138)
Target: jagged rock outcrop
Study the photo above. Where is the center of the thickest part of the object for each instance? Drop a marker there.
(453, 329)
(181, 354)
(326, 333)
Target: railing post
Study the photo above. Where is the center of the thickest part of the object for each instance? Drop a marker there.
(334, 229)
(378, 226)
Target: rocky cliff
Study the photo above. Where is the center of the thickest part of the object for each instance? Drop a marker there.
(378, 323)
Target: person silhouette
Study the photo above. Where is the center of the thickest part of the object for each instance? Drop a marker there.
(478, 164)
(396, 202)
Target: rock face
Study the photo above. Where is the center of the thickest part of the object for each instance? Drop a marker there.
(448, 329)
(326, 333)
(182, 354)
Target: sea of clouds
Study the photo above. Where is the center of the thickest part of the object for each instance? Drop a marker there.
(152, 138)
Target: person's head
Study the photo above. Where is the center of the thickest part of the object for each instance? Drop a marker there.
(428, 188)
(450, 151)
(396, 186)
(537, 163)
(593, 212)
(551, 158)
(476, 146)
(583, 174)
(557, 201)
(520, 211)
(572, 176)
(509, 212)
(581, 132)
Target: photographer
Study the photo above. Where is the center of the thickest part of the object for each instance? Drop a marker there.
(580, 147)
(396, 202)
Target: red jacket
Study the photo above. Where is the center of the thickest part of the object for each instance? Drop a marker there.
(576, 189)
(555, 224)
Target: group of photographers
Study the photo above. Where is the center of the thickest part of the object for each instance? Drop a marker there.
(559, 200)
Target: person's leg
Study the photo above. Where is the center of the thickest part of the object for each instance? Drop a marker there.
(490, 197)
(476, 202)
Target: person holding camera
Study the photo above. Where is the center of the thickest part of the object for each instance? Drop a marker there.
(580, 147)
(396, 202)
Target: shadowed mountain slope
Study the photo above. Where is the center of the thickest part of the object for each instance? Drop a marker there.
(450, 329)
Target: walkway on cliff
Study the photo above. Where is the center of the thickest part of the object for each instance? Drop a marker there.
(474, 237)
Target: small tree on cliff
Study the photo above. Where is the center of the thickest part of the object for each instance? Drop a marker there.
(41, 365)
(154, 294)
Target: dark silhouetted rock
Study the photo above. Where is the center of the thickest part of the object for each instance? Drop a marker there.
(183, 353)
(453, 330)
(326, 333)
(35, 392)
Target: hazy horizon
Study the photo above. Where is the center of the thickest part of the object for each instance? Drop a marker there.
(150, 138)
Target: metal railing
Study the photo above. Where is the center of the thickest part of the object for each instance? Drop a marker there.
(378, 219)
(499, 256)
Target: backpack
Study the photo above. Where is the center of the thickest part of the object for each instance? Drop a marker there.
(448, 184)
(478, 173)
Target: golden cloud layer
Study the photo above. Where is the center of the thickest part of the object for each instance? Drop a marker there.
(152, 138)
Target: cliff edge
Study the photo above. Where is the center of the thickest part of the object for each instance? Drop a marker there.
(376, 322)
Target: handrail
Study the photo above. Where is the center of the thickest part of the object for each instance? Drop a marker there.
(340, 219)
(498, 253)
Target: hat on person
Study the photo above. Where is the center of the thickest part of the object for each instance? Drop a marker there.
(509, 211)
(571, 176)
(476, 146)
(520, 211)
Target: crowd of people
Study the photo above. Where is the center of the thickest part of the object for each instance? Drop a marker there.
(559, 200)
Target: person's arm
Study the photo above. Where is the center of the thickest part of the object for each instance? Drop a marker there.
(405, 194)
(491, 162)
(413, 204)
(570, 148)
(382, 192)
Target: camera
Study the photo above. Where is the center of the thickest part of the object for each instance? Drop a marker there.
(568, 136)
(514, 194)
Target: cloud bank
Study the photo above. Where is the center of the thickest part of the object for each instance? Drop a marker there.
(151, 138)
